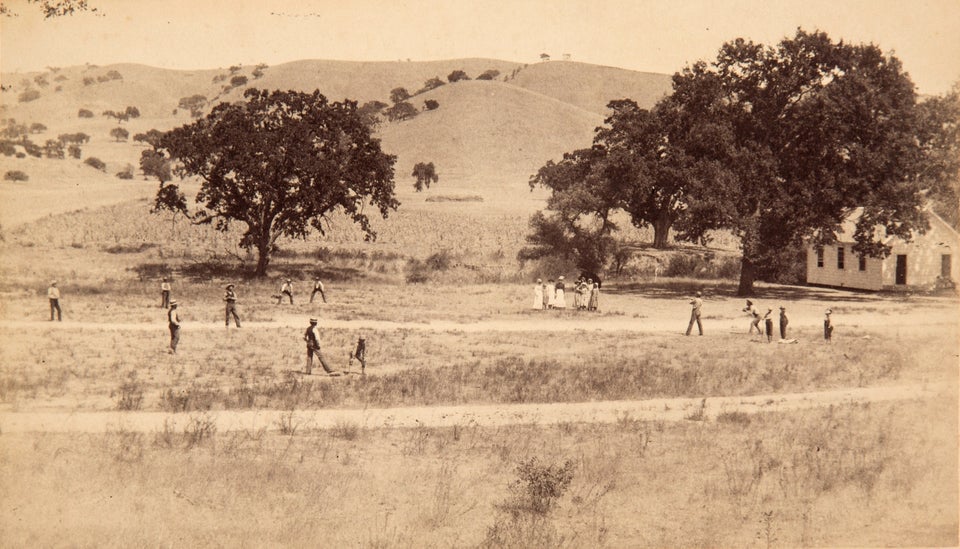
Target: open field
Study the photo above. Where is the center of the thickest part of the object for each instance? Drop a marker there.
(873, 474)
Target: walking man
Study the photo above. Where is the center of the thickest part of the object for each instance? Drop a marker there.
(317, 288)
(173, 320)
(165, 293)
(230, 298)
(696, 303)
(286, 289)
(783, 322)
(312, 337)
(54, 294)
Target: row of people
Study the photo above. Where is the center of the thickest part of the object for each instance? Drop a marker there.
(550, 295)
(756, 319)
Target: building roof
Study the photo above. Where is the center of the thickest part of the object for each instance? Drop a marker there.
(849, 226)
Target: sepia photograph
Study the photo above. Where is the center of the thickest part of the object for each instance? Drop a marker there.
(479, 273)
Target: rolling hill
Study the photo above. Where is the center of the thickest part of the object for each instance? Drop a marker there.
(486, 138)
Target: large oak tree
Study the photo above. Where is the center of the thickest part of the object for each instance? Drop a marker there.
(280, 163)
(811, 131)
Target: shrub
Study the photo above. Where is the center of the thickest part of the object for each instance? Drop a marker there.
(37, 127)
(457, 75)
(74, 151)
(130, 394)
(126, 173)
(489, 74)
(7, 148)
(85, 113)
(238, 81)
(15, 175)
(539, 487)
(87, 81)
(29, 95)
(96, 163)
(431, 104)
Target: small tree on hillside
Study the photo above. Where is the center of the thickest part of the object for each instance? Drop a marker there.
(401, 111)
(280, 163)
(399, 95)
(489, 74)
(431, 84)
(238, 81)
(85, 113)
(457, 75)
(424, 174)
(37, 127)
(119, 134)
(194, 104)
(154, 164)
(430, 104)
(151, 137)
(371, 110)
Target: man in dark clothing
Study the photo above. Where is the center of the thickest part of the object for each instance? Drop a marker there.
(360, 354)
(165, 294)
(173, 320)
(827, 327)
(230, 298)
(312, 337)
(783, 323)
(768, 325)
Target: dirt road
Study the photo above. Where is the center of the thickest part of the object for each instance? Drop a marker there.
(666, 409)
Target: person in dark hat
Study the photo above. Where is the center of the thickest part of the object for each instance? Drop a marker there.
(827, 327)
(783, 322)
(696, 303)
(230, 298)
(173, 321)
(312, 337)
(768, 325)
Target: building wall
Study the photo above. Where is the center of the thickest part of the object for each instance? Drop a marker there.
(924, 255)
(850, 276)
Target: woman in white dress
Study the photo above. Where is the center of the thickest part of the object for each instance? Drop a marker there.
(537, 296)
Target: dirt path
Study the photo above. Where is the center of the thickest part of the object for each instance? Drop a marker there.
(666, 409)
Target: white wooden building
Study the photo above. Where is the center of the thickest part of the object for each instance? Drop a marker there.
(918, 264)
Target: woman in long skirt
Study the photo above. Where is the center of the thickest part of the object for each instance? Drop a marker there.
(537, 295)
(560, 302)
(594, 297)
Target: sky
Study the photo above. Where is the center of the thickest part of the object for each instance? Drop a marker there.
(646, 35)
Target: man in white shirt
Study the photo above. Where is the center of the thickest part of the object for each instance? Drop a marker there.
(318, 288)
(165, 293)
(312, 337)
(286, 290)
(54, 294)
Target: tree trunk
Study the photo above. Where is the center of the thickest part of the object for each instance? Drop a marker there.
(661, 230)
(263, 257)
(748, 273)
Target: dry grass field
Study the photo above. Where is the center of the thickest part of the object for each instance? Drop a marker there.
(445, 310)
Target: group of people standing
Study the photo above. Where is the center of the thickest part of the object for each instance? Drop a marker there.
(550, 295)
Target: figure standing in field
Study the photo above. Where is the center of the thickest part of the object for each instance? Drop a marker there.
(537, 295)
(286, 289)
(53, 293)
(594, 295)
(768, 325)
(548, 294)
(165, 293)
(360, 353)
(754, 318)
(230, 298)
(695, 305)
(783, 322)
(827, 327)
(173, 321)
(560, 300)
(317, 288)
(312, 337)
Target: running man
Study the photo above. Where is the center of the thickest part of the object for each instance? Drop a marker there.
(360, 354)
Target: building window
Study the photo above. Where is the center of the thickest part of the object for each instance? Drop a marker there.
(820, 257)
(840, 257)
(945, 267)
(863, 262)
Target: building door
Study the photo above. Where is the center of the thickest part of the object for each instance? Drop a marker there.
(945, 266)
(901, 270)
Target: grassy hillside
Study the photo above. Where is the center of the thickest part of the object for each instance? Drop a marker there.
(488, 135)
(591, 87)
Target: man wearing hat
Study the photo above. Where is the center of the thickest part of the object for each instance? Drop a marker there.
(173, 320)
(286, 290)
(317, 288)
(230, 298)
(783, 322)
(312, 337)
(696, 303)
(54, 294)
(768, 325)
